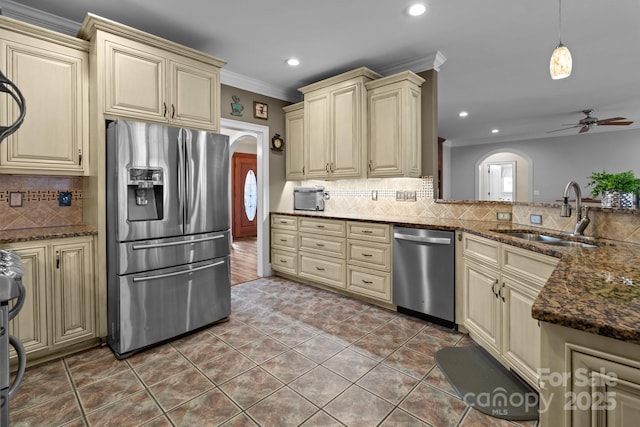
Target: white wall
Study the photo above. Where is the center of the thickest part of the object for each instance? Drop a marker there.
(556, 161)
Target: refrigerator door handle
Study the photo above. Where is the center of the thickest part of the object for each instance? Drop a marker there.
(181, 242)
(181, 171)
(187, 147)
(176, 273)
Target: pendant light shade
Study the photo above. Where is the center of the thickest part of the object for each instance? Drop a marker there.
(560, 64)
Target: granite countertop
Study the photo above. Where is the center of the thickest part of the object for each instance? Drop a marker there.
(596, 290)
(42, 233)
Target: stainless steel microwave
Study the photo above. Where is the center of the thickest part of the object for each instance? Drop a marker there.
(308, 198)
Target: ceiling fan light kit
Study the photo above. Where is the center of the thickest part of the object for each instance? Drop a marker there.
(589, 121)
(561, 62)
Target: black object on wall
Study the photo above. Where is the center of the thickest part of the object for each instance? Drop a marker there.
(7, 86)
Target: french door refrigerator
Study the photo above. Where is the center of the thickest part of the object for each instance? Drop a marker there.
(168, 268)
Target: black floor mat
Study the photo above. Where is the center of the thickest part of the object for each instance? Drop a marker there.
(483, 383)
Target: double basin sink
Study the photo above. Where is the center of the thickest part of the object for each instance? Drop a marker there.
(548, 240)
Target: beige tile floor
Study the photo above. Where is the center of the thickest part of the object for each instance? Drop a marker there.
(290, 355)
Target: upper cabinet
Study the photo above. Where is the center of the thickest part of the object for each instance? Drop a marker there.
(357, 125)
(52, 72)
(149, 78)
(294, 137)
(395, 145)
(335, 126)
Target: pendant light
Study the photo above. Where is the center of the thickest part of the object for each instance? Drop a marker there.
(560, 64)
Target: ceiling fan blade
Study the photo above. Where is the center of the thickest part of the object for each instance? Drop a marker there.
(584, 129)
(614, 123)
(558, 130)
(612, 119)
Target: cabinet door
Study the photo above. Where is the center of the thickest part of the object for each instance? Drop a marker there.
(294, 139)
(195, 94)
(73, 291)
(385, 144)
(54, 81)
(521, 333)
(346, 137)
(30, 325)
(135, 80)
(482, 305)
(316, 136)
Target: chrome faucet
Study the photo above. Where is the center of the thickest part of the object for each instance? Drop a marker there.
(582, 213)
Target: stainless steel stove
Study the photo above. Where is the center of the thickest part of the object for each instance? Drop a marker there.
(11, 288)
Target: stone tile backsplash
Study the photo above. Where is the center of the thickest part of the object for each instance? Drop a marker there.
(39, 201)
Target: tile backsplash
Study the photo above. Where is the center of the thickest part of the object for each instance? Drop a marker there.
(39, 201)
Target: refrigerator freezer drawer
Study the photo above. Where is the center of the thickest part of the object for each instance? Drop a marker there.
(134, 257)
(153, 306)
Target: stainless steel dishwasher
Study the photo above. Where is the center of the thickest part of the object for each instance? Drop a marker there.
(423, 274)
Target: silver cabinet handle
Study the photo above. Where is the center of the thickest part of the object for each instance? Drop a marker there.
(434, 240)
(181, 242)
(176, 273)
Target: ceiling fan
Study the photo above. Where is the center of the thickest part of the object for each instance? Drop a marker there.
(589, 121)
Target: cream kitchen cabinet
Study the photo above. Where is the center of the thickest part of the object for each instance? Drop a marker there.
(588, 379)
(395, 126)
(148, 78)
(52, 72)
(499, 284)
(294, 141)
(335, 126)
(59, 315)
(284, 244)
(322, 251)
(369, 260)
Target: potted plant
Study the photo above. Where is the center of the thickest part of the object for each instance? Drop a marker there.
(617, 190)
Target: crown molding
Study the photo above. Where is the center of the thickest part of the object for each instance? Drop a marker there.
(432, 61)
(37, 17)
(239, 81)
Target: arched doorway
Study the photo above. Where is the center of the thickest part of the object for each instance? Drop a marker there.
(504, 175)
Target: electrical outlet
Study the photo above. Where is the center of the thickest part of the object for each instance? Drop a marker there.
(535, 219)
(410, 196)
(504, 216)
(400, 196)
(64, 198)
(374, 194)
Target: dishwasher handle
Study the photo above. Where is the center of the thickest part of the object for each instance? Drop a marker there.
(421, 239)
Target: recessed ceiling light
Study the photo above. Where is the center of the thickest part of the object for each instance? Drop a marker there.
(495, 130)
(293, 62)
(416, 9)
(463, 114)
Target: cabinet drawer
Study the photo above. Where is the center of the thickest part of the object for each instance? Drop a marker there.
(481, 249)
(284, 222)
(326, 227)
(524, 263)
(369, 231)
(283, 239)
(330, 271)
(324, 245)
(374, 284)
(286, 262)
(372, 255)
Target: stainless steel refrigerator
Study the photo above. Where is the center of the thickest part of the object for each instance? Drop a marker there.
(168, 268)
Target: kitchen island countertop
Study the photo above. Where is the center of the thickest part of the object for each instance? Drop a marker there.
(596, 290)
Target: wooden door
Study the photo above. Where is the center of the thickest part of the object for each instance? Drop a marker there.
(244, 195)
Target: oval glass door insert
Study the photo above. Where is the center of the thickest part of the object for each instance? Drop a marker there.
(250, 195)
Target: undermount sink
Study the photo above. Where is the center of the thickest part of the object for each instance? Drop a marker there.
(543, 238)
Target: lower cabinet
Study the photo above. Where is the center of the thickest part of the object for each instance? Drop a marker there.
(349, 256)
(588, 380)
(60, 306)
(498, 286)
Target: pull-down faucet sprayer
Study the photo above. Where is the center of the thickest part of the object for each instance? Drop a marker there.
(582, 213)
